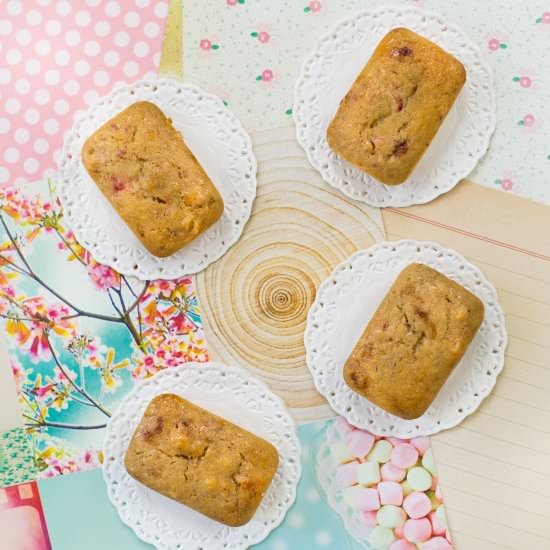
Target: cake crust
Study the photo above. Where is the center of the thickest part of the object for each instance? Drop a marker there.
(201, 460)
(413, 342)
(393, 110)
(142, 165)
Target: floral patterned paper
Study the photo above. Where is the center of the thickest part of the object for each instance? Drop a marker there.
(250, 52)
(78, 333)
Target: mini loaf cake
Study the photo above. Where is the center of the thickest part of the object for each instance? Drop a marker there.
(144, 168)
(413, 342)
(201, 460)
(395, 107)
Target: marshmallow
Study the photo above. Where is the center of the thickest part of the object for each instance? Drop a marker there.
(392, 473)
(419, 479)
(343, 426)
(428, 461)
(438, 494)
(368, 473)
(391, 516)
(396, 441)
(404, 455)
(437, 527)
(407, 489)
(440, 514)
(422, 444)
(433, 499)
(434, 483)
(398, 532)
(349, 495)
(340, 453)
(417, 530)
(359, 443)
(347, 474)
(437, 543)
(381, 451)
(381, 537)
(390, 493)
(417, 505)
(366, 499)
(402, 545)
(369, 518)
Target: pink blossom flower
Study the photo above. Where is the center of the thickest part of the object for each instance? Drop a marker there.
(525, 82)
(507, 184)
(546, 18)
(267, 75)
(315, 6)
(103, 276)
(528, 120)
(263, 37)
(205, 44)
(494, 44)
(231, 2)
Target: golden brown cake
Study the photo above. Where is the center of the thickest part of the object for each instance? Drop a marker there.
(201, 460)
(142, 165)
(396, 105)
(413, 342)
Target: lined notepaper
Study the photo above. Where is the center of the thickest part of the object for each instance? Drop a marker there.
(495, 466)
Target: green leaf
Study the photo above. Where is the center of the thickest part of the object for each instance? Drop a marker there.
(288, 112)
(539, 20)
(307, 9)
(498, 181)
(259, 77)
(241, 1)
(521, 123)
(503, 46)
(225, 103)
(548, 157)
(215, 47)
(254, 34)
(516, 79)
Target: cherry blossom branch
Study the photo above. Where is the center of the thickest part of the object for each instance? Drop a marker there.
(49, 424)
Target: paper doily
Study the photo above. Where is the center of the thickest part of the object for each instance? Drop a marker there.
(219, 142)
(329, 72)
(228, 392)
(345, 303)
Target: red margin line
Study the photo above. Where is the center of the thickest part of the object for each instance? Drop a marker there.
(469, 234)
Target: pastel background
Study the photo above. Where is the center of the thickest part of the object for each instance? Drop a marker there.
(250, 53)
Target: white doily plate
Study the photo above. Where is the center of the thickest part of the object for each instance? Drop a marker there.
(330, 71)
(228, 392)
(345, 303)
(219, 142)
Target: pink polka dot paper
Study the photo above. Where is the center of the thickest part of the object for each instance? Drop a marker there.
(56, 58)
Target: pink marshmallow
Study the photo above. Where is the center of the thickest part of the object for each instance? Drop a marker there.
(390, 493)
(417, 530)
(404, 455)
(367, 499)
(422, 444)
(437, 543)
(448, 536)
(437, 528)
(359, 443)
(347, 474)
(434, 483)
(438, 494)
(390, 472)
(401, 545)
(395, 441)
(343, 426)
(398, 532)
(369, 518)
(417, 505)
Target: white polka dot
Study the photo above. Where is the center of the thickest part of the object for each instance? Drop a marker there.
(11, 155)
(32, 66)
(53, 28)
(5, 27)
(56, 155)
(102, 28)
(63, 8)
(71, 87)
(313, 495)
(51, 126)
(42, 47)
(49, 173)
(72, 38)
(41, 146)
(82, 18)
(5, 76)
(156, 59)
(118, 84)
(112, 9)
(296, 520)
(12, 106)
(23, 37)
(34, 18)
(31, 165)
(111, 58)
(323, 538)
(22, 135)
(61, 107)
(13, 57)
(81, 68)
(52, 77)
(101, 78)
(93, 3)
(32, 116)
(91, 48)
(62, 57)
(14, 7)
(141, 49)
(150, 75)
(279, 545)
(78, 113)
(130, 68)
(90, 97)
(41, 96)
(161, 9)
(44, 2)
(122, 39)
(5, 125)
(142, 3)
(132, 19)
(151, 29)
(4, 174)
